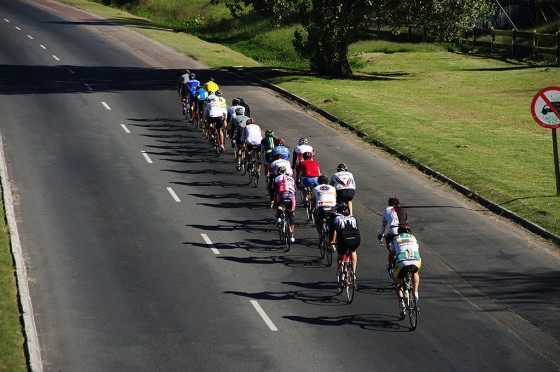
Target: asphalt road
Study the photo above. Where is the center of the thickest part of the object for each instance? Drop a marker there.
(146, 252)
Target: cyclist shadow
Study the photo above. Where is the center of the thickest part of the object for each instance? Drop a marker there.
(319, 293)
(371, 322)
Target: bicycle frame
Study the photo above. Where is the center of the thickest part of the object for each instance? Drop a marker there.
(346, 278)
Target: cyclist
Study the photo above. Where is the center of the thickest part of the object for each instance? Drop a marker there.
(251, 138)
(222, 100)
(189, 90)
(302, 147)
(244, 104)
(323, 201)
(215, 114)
(236, 126)
(284, 189)
(346, 235)
(200, 97)
(234, 106)
(211, 86)
(277, 163)
(393, 216)
(184, 77)
(345, 185)
(267, 145)
(405, 254)
(307, 173)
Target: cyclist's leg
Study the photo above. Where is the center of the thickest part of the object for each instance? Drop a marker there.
(291, 212)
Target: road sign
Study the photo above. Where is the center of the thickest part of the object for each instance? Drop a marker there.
(545, 107)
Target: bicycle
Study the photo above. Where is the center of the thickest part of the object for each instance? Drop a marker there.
(214, 139)
(253, 168)
(243, 160)
(284, 231)
(346, 280)
(308, 207)
(324, 247)
(410, 302)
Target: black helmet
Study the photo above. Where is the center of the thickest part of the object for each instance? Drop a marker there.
(342, 168)
(307, 155)
(404, 229)
(235, 102)
(219, 93)
(323, 179)
(393, 201)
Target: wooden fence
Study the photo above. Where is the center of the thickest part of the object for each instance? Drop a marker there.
(519, 43)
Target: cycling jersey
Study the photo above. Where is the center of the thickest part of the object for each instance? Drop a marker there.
(324, 196)
(211, 87)
(238, 122)
(298, 154)
(231, 110)
(308, 168)
(252, 135)
(407, 254)
(214, 110)
(391, 218)
(276, 164)
(342, 181)
(191, 86)
(284, 183)
(283, 150)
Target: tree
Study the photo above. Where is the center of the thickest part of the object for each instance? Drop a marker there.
(330, 26)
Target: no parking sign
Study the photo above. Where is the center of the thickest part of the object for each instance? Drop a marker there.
(545, 109)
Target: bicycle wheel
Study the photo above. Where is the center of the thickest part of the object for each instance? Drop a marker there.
(255, 174)
(329, 255)
(217, 146)
(281, 233)
(243, 163)
(288, 242)
(250, 171)
(339, 283)
(322, 242)
(350, 285)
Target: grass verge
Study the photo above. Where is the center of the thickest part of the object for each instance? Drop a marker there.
(12, 357)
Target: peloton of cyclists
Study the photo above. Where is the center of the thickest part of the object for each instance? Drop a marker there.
(285, 190)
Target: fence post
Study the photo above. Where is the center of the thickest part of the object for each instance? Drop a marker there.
(513, 37)
(534, 43)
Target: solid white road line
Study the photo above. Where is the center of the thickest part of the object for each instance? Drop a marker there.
(147, 157)
(125, 128)
(210, 244)
(55, 57)
(106, 105)
(173, 195)
(263, 315)
(29, 326)
(29, 36)
(42, 46)
(88, 87)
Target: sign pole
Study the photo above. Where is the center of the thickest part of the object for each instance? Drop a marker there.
(556, 165)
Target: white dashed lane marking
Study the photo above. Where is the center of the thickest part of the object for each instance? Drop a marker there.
(106, 105)
(17, 28)
(42, 46)
(173, 195)
(209, 243)
(55, 57)
(125, 128)
(29, 36)
(146, 157)
(263, 315)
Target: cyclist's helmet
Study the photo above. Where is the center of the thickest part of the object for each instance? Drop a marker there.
(280, 142)
(235, 102)
(250, 121)
(219, 93)
(393, 201)
(192, 76)
(323, 179)
(211, 79)
(404, 229)
(303, 141)
(282, 170)
(269, 133)
(342, 168)
(307, 155)
(239, 111)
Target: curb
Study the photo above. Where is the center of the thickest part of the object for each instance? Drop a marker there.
(491, 206)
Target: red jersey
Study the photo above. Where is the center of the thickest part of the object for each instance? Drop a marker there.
(308, 168)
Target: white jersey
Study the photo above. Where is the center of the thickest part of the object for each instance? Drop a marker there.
(282, 163)
(406, 250)
(343, 181)
(300, 150)
(231, 110)
(252, 134)
(214, 110)
(389, 217)
(325, 196)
